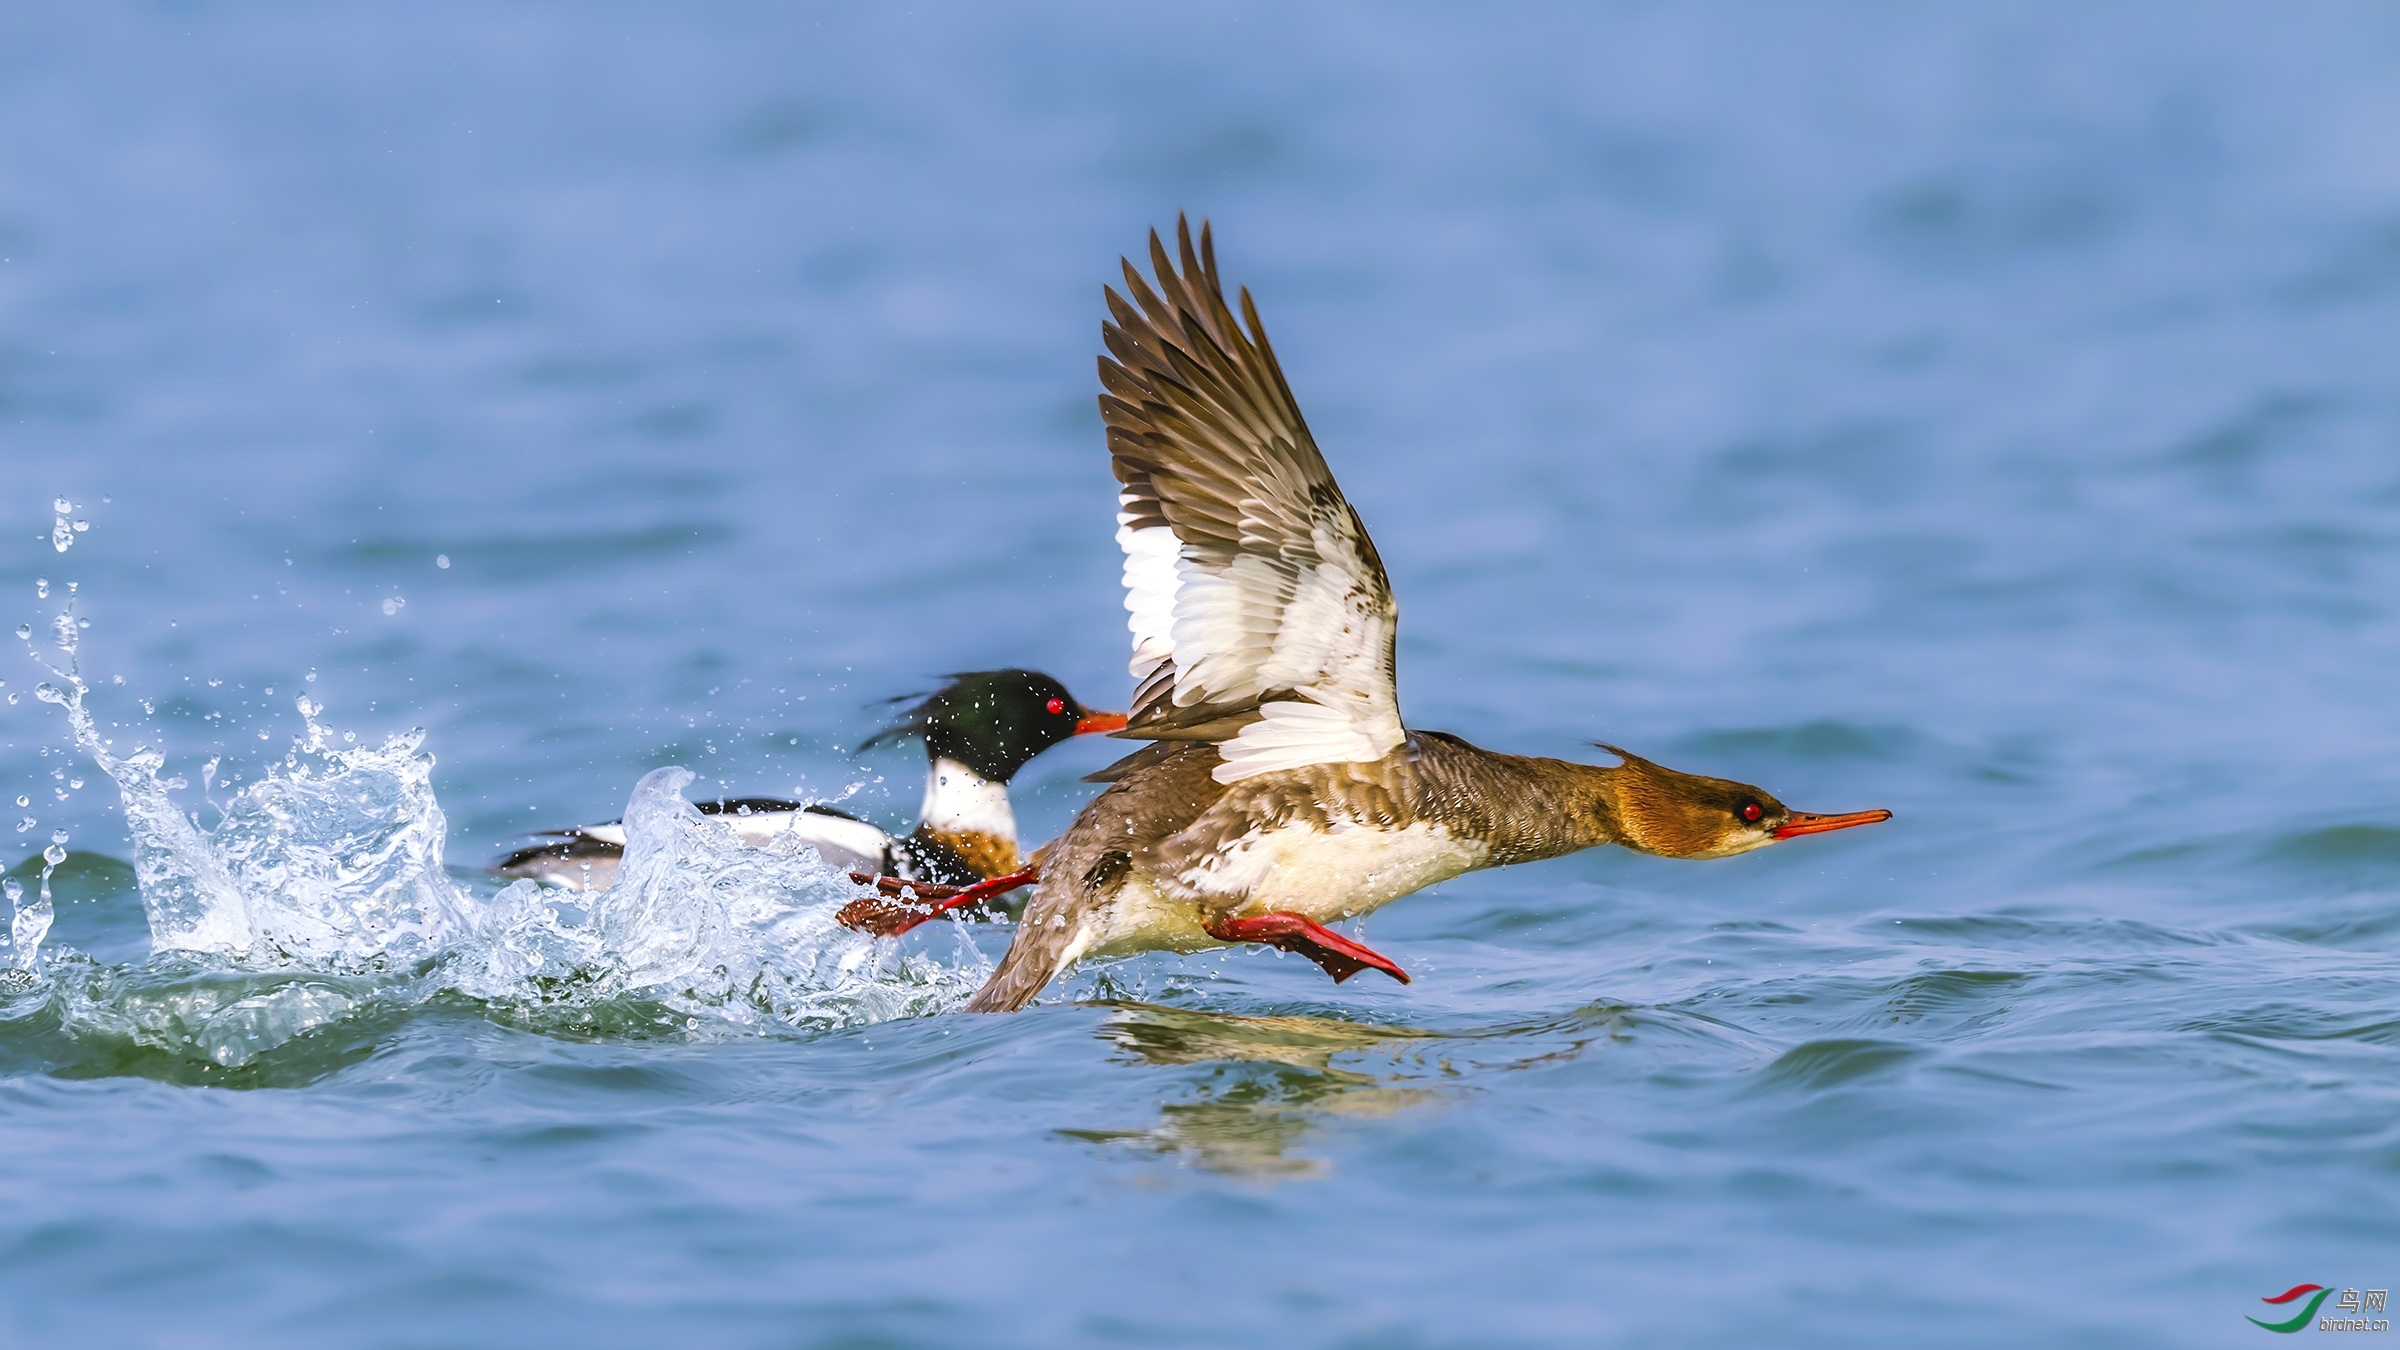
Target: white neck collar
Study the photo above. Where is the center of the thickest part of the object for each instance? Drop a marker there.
(959, 800)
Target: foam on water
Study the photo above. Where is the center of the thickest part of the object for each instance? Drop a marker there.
(321, 890)
(722, 933)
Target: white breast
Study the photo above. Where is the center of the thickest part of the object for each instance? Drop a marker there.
(959, 800)
(1337, 871)
(1328, 874)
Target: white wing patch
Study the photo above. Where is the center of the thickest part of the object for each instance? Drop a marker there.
(1224, 627)
(1150, 584)
(1259, 625)
(1331, 641)
(1292, 734)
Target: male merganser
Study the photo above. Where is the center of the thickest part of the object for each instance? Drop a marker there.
(979, 730)
(1281, 791)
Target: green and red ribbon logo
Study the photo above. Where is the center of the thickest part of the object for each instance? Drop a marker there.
(2316, 1292)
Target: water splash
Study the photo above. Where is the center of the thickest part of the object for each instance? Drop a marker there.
(715, 934)
(191, 898)
(332, 862)
(327, 873)
(28, 924)
(321, 893)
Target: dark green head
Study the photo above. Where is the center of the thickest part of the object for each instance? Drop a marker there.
(994, 721)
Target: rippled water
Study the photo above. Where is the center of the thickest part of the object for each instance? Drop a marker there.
(1988, 413)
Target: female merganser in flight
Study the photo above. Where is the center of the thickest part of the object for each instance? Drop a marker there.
(979, 730)
(1281, 791)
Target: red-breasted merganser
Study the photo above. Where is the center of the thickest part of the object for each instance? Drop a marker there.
(1281, 791)
(979, 730)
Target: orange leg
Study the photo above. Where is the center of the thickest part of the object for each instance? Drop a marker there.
(886, 920)
(1341, 957)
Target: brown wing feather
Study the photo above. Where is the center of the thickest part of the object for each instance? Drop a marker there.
(1207, 441)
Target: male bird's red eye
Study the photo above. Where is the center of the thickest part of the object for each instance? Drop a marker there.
(1753, 812)
(1057, 706)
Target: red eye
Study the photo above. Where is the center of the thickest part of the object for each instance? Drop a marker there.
(1056, 706)
(1753, 812)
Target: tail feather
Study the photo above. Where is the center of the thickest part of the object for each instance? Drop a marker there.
(1047, 942)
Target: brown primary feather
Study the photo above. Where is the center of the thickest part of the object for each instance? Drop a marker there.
(1206, 439)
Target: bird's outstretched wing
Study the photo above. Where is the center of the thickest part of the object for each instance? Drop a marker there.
(1261, 615)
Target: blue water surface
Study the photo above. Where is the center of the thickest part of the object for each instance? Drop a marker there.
(1990, 412)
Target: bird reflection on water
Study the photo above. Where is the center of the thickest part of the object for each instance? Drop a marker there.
(1270, 1082)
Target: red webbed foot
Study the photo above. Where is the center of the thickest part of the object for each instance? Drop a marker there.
(884, 919)
(1341, 957)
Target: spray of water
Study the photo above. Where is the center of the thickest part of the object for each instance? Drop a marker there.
(321, 892)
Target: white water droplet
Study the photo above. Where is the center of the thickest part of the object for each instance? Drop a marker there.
(62, 506)
(82, 525)
(23, 800)
(58, 836)
(25, 631)
(392, 604)
(75, 783)
(41, 587)
(311, 676)
(54, 855)
(13, 889)
(441, 560)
